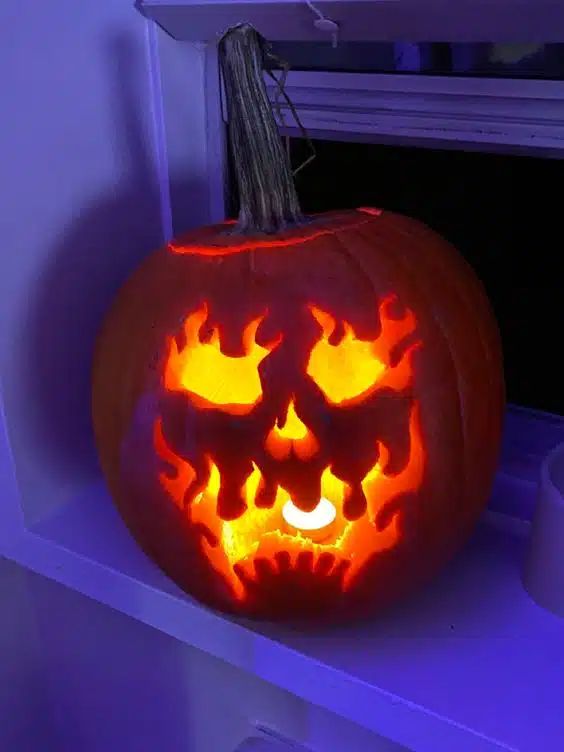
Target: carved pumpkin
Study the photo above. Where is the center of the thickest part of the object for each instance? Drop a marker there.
(305, 421)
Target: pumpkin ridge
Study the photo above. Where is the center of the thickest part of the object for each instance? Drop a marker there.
(407, 272)
(461, 291)
(469, 298)
(435, 269)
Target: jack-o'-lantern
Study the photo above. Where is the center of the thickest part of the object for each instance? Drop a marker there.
(298, 415)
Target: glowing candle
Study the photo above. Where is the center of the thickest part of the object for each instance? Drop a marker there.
(316, 524)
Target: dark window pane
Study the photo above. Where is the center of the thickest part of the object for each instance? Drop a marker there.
(440, 58)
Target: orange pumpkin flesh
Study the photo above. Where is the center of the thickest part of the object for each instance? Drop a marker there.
(344, 376)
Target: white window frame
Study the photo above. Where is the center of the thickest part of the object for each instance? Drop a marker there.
(509, 115)
(518, 116)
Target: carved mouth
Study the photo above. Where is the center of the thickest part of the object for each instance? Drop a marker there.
(282, 537)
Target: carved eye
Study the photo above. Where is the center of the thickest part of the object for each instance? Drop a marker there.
(349, 371)
(231, 384)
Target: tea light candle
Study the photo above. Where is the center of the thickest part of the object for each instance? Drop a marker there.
(316, 524)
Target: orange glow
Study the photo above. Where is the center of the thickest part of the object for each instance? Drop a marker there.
(184, 474)
(248, 245)
(237, 538)
(370, 210)
(317, 524)
(302, 235)
(366, 536)
(212, 378)
(351, 370)
(261, 533)
(290, 435)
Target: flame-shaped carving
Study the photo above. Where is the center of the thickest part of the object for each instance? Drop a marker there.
(351, 370)
(260, 532)
(375, 532)
(183, 473)
(346, 373)
(230, 384)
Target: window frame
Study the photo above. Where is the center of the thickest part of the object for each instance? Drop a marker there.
(520, 116)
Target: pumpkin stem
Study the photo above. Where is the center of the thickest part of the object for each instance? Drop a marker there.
(267, 194)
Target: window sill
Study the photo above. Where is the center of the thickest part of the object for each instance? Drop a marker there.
(471, 660)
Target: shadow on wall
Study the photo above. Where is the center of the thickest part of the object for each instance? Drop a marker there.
(85, 269)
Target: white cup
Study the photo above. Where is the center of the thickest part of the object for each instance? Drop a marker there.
(543, 573)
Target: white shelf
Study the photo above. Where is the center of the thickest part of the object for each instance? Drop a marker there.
(471, 660)
(367, 20)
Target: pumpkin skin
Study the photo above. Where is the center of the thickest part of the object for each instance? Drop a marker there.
(200, 471)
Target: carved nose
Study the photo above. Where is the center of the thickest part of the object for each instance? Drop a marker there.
(291, 435)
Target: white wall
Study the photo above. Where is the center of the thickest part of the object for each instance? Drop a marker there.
(83, 197)
(24, 715)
